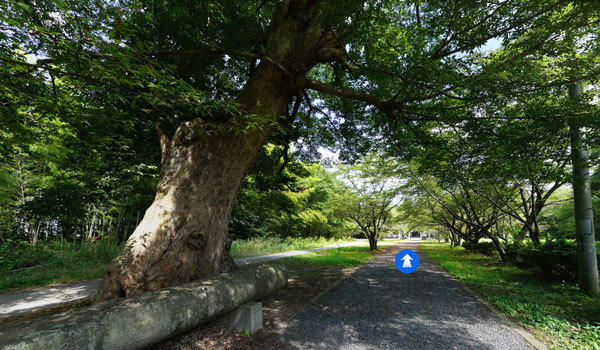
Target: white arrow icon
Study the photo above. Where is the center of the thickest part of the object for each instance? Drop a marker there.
(406, 261)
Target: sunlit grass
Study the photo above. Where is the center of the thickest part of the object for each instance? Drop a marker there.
(557, 313)
(270, 245)
(345, 256)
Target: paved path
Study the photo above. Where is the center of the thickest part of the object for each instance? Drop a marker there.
(18, 303)
(23, 302)
(377, 307)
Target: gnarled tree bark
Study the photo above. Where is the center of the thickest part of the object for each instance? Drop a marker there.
(183, 235)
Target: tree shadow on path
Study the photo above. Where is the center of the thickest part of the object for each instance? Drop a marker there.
(379, 307)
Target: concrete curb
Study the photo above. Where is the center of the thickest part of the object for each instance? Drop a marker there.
(147, 318)
(530, 338)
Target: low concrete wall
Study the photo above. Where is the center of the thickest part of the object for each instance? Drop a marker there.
(147, 318)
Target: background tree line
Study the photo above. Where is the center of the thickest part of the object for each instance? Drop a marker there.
(63, 180)
(501, 188)
(57, 185)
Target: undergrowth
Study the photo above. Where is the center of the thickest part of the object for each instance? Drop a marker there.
(23, 266)
(270, 245)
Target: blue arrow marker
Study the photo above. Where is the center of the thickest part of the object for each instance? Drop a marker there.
(407, 261)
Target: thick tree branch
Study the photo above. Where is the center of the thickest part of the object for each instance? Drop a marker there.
(391, 107)
(381, 104)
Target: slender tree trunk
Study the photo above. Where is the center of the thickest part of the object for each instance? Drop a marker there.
(525, 229)
(375, 239)
(36, 233)
(126, 230)
(499, 246)
(535, 234)
(530, 227)
(117, 229)
(102, 225)
(183, 235)
(90, 234)
(109, 230)
(164, 143)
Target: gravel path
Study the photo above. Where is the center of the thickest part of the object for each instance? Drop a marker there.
(378, 307)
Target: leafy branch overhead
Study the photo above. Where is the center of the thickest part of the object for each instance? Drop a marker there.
(429, 67)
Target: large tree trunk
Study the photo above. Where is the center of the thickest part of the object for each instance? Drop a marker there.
(183, 235)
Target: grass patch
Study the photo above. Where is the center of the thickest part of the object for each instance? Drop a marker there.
(558, 313)
(345, 256)
(270, 245)
(54, 263)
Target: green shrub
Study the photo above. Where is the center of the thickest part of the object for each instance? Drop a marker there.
(16, 255)
(468, 245)
(22, 265)
(485, 248)
(555, 260)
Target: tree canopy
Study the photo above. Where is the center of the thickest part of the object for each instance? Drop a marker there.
(86, 85)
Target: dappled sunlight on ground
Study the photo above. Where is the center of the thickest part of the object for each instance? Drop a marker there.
(378, 307)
